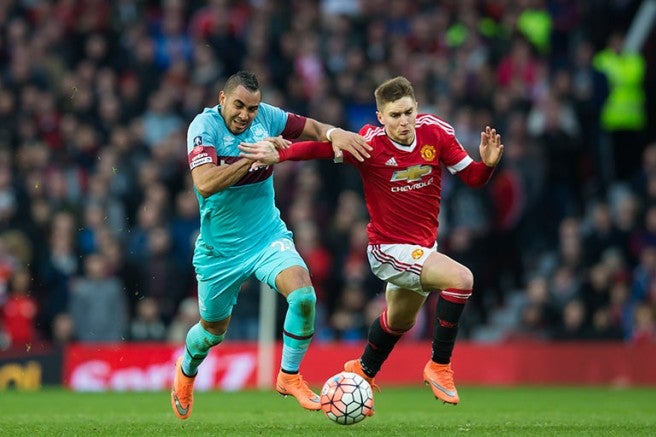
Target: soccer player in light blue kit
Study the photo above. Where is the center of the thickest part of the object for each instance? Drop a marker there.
(242, 234)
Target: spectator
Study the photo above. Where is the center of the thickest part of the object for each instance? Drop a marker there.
(184, 226)
(147, 324)
(20, 311)
(59, 265)
(603, 328)
(161, 273)
(347, 322)
(644, 329)
(601, 235)
(97, 303)
(623, 114)
(63, 330)
(573, 324)
(186, 317)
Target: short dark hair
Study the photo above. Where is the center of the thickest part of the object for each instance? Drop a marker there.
(244, 78)
(392, 90)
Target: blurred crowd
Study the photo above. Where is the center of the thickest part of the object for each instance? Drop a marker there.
(98, 216)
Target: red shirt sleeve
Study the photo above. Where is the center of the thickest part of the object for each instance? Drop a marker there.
(306, 150)
(476, 174)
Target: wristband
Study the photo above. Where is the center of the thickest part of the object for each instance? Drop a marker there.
(328, 132)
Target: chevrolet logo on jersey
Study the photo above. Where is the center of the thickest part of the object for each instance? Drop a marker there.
(410, 174)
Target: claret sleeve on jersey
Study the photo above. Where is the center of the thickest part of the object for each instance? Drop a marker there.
(200, 144)
(294, 126)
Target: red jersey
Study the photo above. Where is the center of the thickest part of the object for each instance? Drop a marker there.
(403, 184)
(19, 315)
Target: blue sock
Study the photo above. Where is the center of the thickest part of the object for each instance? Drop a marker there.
(298, 328)
(197, 346)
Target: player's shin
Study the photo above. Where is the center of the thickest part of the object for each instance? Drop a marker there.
(449, 308)
(298, 327)
(297, 334)
(197, 346)
(380, 342)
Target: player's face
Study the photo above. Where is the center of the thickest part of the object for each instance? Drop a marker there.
(239, 107)
(399, 118)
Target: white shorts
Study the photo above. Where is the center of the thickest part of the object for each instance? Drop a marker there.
(399, 265)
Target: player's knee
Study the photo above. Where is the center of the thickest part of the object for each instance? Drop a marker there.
(303, 301)
(402, 326)
(203, 339)
(216, 328)
(401, 323)
(464, 279)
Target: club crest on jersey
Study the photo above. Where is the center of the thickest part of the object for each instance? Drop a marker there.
(198, 141)
(417, 253)
(412, 173)
(427, 152)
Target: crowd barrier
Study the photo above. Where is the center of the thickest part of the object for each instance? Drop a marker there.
(233, 366)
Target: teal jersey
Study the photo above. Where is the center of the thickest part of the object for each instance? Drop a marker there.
(241, 218)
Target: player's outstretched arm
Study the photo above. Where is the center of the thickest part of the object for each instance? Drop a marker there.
(339, 138)
(265, 153)
(477, 174)
(490, 148)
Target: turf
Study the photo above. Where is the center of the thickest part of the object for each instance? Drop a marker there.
(527, 411)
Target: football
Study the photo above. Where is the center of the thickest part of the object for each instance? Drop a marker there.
(346, 398)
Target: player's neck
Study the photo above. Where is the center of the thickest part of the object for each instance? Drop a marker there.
(401, 145)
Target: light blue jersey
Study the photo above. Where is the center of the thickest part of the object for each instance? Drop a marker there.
(242, 218)
(241, 232)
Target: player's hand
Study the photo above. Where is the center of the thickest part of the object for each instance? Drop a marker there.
(353, 143)
(491, 148)
(279, 142)
(263, 153)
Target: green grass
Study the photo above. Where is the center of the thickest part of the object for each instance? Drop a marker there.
(527, 411)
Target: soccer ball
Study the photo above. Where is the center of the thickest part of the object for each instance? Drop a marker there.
(346, 398)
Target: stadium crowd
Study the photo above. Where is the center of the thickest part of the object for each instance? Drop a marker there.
(98, 217)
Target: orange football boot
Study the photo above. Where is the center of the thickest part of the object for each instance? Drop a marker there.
(355, 366)
(440, 379)
(182, 393)
(293, 385)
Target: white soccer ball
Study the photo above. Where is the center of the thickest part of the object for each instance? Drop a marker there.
(346, 398)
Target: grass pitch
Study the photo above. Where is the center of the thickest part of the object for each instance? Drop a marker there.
(527, 411)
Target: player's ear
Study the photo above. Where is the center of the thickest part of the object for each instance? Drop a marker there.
(222, 97)
(379, 115)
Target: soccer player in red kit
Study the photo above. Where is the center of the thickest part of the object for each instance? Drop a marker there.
(402, 188)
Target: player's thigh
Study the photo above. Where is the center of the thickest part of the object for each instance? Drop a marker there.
(403, 307)
(219, 280)
(281, 267)
(399, 265)
(441, 272)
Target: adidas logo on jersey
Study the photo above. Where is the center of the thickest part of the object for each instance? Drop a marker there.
(391, 162)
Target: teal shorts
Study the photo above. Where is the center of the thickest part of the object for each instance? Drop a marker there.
(220, 278)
